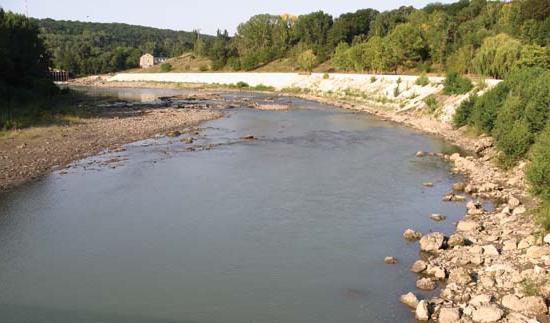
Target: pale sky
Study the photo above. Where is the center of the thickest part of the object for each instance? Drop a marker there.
(206, 15)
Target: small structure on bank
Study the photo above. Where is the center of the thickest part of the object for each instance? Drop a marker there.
(149, 60)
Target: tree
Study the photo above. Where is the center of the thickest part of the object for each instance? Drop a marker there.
(407, 45)
(340, 58)
(350, 25)
(307, 60)
(312, 29)
(497, 56)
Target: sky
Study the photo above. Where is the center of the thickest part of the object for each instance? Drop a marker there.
(205, 15)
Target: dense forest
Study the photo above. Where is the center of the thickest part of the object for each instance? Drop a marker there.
(85, 48)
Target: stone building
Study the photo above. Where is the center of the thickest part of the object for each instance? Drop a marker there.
(149, 60)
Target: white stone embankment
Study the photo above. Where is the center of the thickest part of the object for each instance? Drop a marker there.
(399, 92)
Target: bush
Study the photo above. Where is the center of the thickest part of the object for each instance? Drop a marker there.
(455, 84)
(262, 87)
(307, 60)
(373, 79)
(543, 216)
(203, 68)
(538, 172)
(242, 85)
(326, 76)
(514, 142)
(463, 112)
(396, 91)
(431, 102)
(422, 80)
(486, 107)
(165, 67)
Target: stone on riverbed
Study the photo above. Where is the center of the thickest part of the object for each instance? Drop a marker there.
(419, 266)
(412, 235)
(459, 276)
(466, 226)
(420, 154)
(390, 260)
(459, 187)
(432, 242)
(487, 314)
(438, 217)
(456, 240)
(547, 239)
(426, 284)
(449, 315)
(409, 299)
(422, 313)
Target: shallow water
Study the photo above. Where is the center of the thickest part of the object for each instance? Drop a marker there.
(292, 227)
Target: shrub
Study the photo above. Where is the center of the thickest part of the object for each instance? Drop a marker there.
(455, 84)
(543, 216)
(165, 67)
(431, 102)
(463, 112)
(422, 80)
(263, 87)
(486, 107)
(373, 79)
(203, 68)
(514, 142)
(242, 85)
(399, 80)
(307, 60)
(538, 172)
(396, 91)
(326, 76)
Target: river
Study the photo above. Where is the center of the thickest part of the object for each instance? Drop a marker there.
(291, 227)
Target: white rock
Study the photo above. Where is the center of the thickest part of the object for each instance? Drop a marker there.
(432, 242)
(412, 235)
(526, 242)
(519, 210)
(389, 260)
(409, 299)
(490, 250)
(513, 202)
(479, 300)
(419, 266)
(438, 217)
(466, 226)
(487, 314)
(547, 238)
(509, 245)
(537, 252)
(449, 315)
(426, 284)
(511, 302)
(459, 276)
(422, 313)
(533, 305)
(436, 271)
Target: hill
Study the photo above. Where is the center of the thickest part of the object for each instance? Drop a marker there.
(93, 48)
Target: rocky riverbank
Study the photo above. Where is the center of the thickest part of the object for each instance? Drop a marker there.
(496, 266)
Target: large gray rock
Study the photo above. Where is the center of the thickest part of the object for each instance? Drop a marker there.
(409, 299)
(432, 242)
(487, 314)
(449, 315)
(422, 313)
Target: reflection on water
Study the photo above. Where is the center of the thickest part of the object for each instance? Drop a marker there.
(291, 227)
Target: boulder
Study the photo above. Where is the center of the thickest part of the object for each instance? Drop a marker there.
(456, 240)
(390, 260)
(420, 154)
(436, 271)
(419, 266)
(467, 226)
(547, 239)
(428, 184)
(479, 300)
(512, 302)
(537, 252)
(432, 242)
(513, 202)
(533, 305)
(487, 314)
(437, 217)
(459, 187)
(412, 235)
(426, 284)
(490, 250)
(422, 313)
(449, 315)
(459, 276)
(409, 299)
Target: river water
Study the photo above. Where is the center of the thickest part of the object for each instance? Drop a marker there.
(291, 227)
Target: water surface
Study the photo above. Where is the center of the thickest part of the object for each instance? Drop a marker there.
(292, 227)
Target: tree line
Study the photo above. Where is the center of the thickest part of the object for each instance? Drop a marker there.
(477, 36)
(85, 48)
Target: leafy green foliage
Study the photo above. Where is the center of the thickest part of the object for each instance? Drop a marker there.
(456, 84)
(422, 80)
(538, 172)
(165, 67)
(431, 102)
(307, 60)
(464, 110)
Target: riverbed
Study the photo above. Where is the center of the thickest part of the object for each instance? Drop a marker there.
(292, 226)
